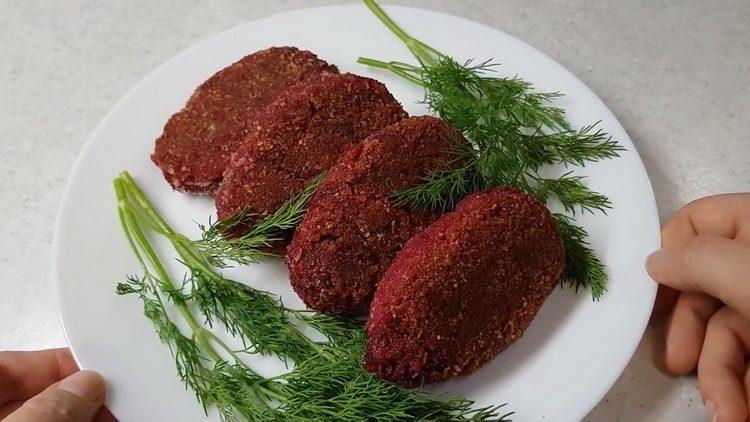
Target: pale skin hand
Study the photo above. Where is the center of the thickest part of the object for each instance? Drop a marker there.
(705, 257)
(47, 386)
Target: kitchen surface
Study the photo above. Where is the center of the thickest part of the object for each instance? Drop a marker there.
(675, 73)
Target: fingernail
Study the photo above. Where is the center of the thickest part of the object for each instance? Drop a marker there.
(87, 385)
(654, 262)
(711, 411)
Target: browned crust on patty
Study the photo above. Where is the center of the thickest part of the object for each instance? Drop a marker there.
(464, 289)
(299, 136)
(351, 231)
(196, 145)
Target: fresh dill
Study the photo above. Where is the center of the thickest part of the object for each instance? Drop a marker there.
(327, 381)
(219, 245)
(582, 267)
(239, 395)
(513, 132)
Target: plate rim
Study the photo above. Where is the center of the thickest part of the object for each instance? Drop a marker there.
(65, 198)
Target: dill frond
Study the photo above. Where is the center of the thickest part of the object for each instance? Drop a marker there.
(514, 131)
(327, 381)
(234, 389)
(257, 317)
(572, 194)
(219, 246)
(582, 267)
(441, 189)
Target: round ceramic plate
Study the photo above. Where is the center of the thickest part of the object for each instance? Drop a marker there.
(567, 360)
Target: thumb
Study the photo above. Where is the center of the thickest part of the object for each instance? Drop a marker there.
(74, 399)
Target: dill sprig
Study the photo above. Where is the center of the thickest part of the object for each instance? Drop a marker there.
(513, 132)
(582, 267)
(327, 381)
(234, 388)
(219, 245)
(353, 394)
(441, 189)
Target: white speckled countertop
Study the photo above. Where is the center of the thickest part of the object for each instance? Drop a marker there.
(676, 74)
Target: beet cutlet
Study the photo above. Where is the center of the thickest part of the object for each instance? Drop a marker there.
(299, 136)
(197, 142)
(352, 231)
(464, 289)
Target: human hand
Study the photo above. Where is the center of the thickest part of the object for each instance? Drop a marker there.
(705, 257)
(47, 386)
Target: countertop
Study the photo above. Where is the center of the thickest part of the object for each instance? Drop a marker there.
(676, 74)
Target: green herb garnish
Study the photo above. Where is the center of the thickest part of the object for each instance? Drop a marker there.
(326, 381)
(250, 246)
(513, 133)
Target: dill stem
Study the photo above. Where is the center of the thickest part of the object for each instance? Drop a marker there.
(138, 241)
(143, 201)
(128, 185)
(204, 338)
(122, 208)
(395, 67)
(374, 63)
(419, 49)
(306, 394)
(269, 392)
(389, 23)
(124, 185)
(177, 240)
(227, 349)
(259, 388)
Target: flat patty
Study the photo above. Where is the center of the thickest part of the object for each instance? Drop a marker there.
(299, 136)
(352, 231)
(198, 141)
(464, 289)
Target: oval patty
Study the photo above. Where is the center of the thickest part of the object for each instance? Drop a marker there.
(198, 141)
(464, 289)
(299, 136)
(351, 231)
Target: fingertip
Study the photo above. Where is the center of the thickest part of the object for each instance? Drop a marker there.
(655, 264)
(76, 398)
(685, 331)
(674, 364)
(87, 385)
(678, 362)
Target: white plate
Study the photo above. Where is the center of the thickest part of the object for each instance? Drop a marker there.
(569, 357)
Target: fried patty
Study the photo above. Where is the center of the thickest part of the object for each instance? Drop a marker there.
(464, 289)
(198, 141)
(352, 231)
(299, 136)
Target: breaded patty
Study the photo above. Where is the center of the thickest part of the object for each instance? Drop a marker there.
(352, 231)
(198, 141)
(464, 289)
(300, 135)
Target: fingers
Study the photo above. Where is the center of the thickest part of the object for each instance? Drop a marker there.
(712, 265)
(25, 374)
(685, 331)
(74, 399)
(721, 215)
(721, 369)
